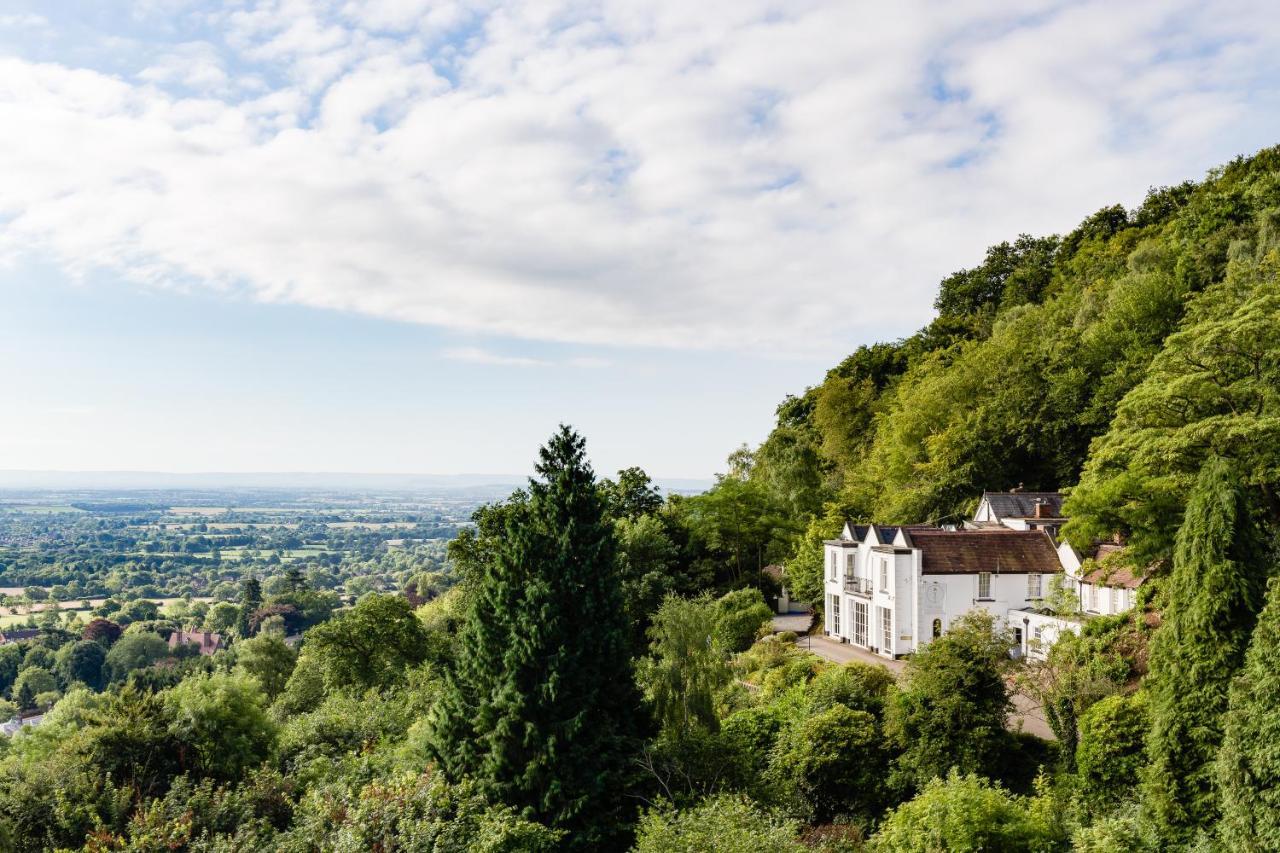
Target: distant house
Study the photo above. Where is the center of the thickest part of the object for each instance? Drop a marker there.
(1019, 510)
(208, 641)
(891, 590)
(13, 635)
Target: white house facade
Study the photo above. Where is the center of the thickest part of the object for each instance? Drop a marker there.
(1105, 588)
(891, 590)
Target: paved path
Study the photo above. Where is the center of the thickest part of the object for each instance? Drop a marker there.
(1027, 714)
(797, 622)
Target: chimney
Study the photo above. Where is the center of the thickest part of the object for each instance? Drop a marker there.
(1042, 509)
(1016, 489)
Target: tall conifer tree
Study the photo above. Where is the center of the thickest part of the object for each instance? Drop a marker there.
(541, 708)
(1249, 762)
(1214, 596)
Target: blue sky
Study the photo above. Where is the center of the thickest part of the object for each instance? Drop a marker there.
(414, 235)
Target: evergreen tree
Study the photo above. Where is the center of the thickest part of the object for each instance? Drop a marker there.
(1214, 595)
(250, 600)
(1249, 761)
(541, 708)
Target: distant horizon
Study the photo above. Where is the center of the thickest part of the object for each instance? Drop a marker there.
(126, 479)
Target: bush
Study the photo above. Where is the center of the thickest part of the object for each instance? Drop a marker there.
(741, 616)
(833, 764)
(723, 824)
(1112, 747)
(963, 813)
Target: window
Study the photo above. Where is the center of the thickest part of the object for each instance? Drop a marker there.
(860, 623)
(1093, 597)
(937, 628)
(884, 575)
(1017, 636)
(1115, 600)
(984, 584)
(848, 564)
(886, 629)
(833, 565)
(835, 614)
(1034, 586)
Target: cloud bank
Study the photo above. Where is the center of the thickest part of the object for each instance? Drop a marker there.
(788, 177)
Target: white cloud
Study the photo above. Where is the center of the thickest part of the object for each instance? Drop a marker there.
(717, 174)
(480, 355)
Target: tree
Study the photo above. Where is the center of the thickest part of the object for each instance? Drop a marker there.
(952, 708)
(83, 662)
(686, 668)
(1074, 674)
(134, 651)
(372, 645)
(834, 764)
(1111, 753)
(31, 682)
(964, 812)
(267, 658)
(1215, 592)
(102, 631)
(222, 718)
(1248, 763)
(632, 495)
(542, 707)
(740, 615)
(647, 562)
(222, 617)
(250, 601)
(722, 824)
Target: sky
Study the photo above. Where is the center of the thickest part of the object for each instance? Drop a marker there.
(416, 235)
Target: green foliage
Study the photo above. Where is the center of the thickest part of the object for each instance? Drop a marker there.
(722, 824)
(132, 652)
(541, 709)
(833, 763)
(1214, 593)
(739, 618)
(964, 812)
(1249, 761)
(372, 645)
(82, 662)
(632, 496)
(222, 719)
(412, 812)
(269, 659)
(951, 710)
(30, 683)
(1111, 753)
(686, 668)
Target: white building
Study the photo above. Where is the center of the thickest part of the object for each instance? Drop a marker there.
(1019, 510)
(892, 589)
(1107, 586)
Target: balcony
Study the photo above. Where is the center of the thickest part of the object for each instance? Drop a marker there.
(858, 586)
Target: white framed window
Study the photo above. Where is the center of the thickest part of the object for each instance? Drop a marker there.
(1034, 586)
(984, 584)
(835, 614)
(1115, 599)
(848, 564)
(886, 629)
(884, 575)
(834, 565)
(1093, 597)
(860, 623)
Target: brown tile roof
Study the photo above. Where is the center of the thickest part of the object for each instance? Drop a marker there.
(962, 552)
(208, 641)
(1112, 572)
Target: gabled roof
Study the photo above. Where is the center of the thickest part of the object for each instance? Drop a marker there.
(1112, 574)
(964, 552)
(1023, 504)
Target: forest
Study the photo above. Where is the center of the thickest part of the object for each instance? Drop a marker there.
(592, 667)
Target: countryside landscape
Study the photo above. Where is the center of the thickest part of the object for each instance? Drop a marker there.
(529, 427)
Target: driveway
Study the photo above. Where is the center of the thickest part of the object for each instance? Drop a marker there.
(797, 622)
(1027, 715)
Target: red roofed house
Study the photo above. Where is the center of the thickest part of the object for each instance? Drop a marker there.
(208, 641)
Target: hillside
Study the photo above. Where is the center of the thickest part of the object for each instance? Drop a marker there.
(1110, 362)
